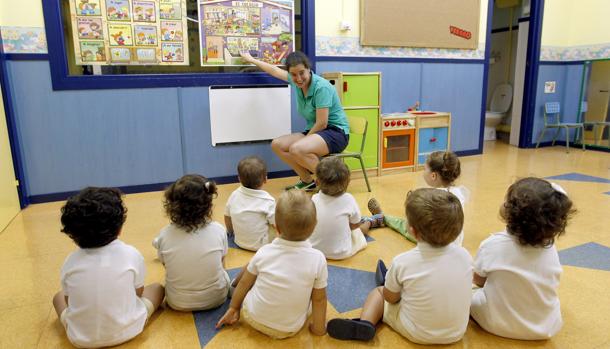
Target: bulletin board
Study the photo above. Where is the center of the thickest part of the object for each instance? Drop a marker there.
(134, 32)
(265, 28)
(416, 23)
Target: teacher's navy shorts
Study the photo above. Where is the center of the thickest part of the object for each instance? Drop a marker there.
(336, 140)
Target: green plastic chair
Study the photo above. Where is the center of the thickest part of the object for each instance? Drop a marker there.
(357, 126)
(552, 120)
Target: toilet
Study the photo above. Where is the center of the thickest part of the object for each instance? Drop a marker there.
(500, 103)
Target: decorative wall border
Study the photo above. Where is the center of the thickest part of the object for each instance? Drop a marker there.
(350, 47)
(575, 53)
(23, 40)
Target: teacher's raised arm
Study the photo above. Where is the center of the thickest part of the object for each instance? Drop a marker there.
(327, 128)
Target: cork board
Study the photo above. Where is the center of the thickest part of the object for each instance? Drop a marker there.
(416, 23)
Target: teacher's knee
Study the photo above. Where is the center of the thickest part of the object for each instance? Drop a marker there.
(297, 150)
(276, 145)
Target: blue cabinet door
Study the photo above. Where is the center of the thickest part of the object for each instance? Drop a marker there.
(431, 140)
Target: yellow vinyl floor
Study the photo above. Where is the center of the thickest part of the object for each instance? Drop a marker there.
(33, 250)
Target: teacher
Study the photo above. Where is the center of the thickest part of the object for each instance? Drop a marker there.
(317, 101)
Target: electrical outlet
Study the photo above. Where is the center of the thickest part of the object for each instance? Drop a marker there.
(345, 26)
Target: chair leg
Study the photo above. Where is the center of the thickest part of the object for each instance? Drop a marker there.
(556, 134)
(567, 139)
(582, 138)
(540, 137)
(366, 178)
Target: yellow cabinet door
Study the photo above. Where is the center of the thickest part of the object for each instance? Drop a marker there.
(9, 199)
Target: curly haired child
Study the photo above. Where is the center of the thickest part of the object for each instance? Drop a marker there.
(518, 270)
(192, 247)
(103, 301)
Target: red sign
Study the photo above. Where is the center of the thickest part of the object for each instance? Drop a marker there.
(460, 32)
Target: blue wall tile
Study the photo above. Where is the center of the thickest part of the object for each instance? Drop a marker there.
(453, 87)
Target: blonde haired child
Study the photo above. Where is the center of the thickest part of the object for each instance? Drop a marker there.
(285, 277)
(192, 247)
(519, 269)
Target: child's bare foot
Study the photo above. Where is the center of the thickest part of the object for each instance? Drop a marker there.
(374, 206)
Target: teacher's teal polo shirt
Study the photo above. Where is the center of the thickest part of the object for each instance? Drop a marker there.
(321, 94)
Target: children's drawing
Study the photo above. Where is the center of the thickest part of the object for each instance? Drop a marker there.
(89, 28)
(237, 44)
(92, 51)
(120, 34)
(171, 31)
(275, 21)
(275, 49)
(170, 9)
(120, 54)
(144, 11)
(146, 35)
(146, 55)
(118, 10)
(172, 52)
(223, 20)
(88, 8)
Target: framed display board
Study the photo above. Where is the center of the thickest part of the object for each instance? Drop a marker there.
(264, 28)
(416, 23)
(133, 32)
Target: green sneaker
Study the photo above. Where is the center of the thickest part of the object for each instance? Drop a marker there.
(300, 185)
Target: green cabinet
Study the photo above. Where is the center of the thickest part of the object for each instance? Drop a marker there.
(360, 96)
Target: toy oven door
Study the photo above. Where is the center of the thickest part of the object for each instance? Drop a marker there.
(398, 148)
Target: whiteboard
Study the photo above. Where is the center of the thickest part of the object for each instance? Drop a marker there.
(249, 113)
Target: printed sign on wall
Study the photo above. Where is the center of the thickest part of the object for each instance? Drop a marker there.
(264, 28)
(134, 32)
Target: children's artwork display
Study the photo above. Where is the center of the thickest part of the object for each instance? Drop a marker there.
(265, 28)
(134, 32)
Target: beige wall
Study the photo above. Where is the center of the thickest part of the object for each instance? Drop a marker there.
(576, 23)
(21, 13)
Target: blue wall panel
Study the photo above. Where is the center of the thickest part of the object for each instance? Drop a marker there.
(456, 88)
(452, 87)
(73, 139)
(568, 78)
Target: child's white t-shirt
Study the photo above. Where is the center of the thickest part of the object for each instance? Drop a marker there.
(103, 308)
(463, 194)
(435, 285)
(286, 273)
(194, 275)
(519, 299)
(332, 234)
(252, 213)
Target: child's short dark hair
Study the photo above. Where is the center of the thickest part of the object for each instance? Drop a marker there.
(188, 201)
(252, 172)
(446, 164)
(295, 215)
(435, 214)
(93, 217)
(535, 212)
(333, 176)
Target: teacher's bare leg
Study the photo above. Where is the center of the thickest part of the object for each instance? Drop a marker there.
(307, 151)
(281, 146)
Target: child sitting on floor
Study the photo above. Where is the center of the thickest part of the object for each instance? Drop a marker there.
(192, 247)
(250, 211)
(426, 297)
(286, 279)
(441, 170)
(519, 269)
(339, 233)
(103, 301)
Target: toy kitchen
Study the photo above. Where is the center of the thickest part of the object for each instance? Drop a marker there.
(406, 139)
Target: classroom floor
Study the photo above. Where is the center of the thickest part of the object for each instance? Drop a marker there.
(33, 250)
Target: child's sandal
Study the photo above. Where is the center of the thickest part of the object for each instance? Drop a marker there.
(375, 220)
(374, 207)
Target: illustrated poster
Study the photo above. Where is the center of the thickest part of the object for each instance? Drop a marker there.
(264, 28)
(129, 32)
